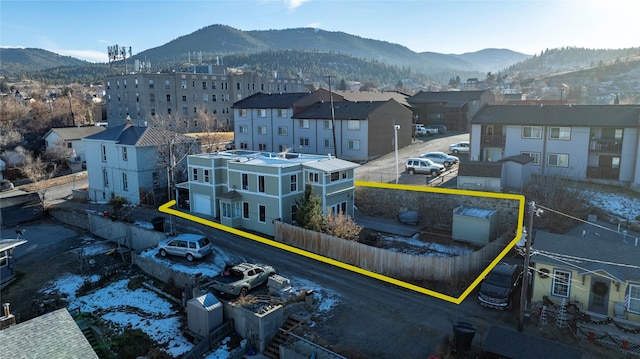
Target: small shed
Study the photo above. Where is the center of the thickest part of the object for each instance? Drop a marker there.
(7, 260)
(204, 314)
(474, 225)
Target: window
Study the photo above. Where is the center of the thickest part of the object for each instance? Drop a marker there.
(242, 112)
(185, 111)
(226, 209)
(534, 155)
(105, 177)
(245, 181)
(353, 145)
(560, 133)
(328, 143)
(206, 176)
(156, 180)
(4, 258)
(327, 125)
(304, 123)
(262, 130)
(261, 184)
(205, 97)
(531, 132)
(353, 125)
(633, 298)
(204, 85)
(560, 283)
(282, 113)
(262, 146)
(168, 97)
(124, 154)
(262, 210)
(262, 112)
(69, 145)
(167, 84)
(150, 84)
(184, 98)
(244, 145)
(335, 176)
(183, 84)
(243, 129)
(104, 153)
(304, 142)
(125, 182)
(195, 174)
(294, 182)
(282, 130)
(152, 97)
(314, 177)
(245, 210)
(558, 160)
(169, 112)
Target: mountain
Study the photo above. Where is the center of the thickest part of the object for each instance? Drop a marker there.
(20, 61)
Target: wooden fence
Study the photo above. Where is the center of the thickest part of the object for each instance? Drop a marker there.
(402, 266)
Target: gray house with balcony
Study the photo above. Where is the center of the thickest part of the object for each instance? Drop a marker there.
(251, 190)
(596, 143)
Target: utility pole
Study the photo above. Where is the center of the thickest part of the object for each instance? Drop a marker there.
(333, 120)
(527, 255)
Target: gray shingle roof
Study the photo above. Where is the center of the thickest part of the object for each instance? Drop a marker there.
(599, 252)
(457, 98)
(480, 169)
(76, 133)
(140, 136)
(342, 110)
(364, 96)
(271, 100)
(49, 336)
(575, 115)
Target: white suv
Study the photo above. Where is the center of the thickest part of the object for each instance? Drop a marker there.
(423, 165)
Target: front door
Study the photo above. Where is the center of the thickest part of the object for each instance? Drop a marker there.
(599, 295)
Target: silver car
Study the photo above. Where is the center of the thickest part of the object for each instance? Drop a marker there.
(423, 165)
(186, 245)
(441, 158)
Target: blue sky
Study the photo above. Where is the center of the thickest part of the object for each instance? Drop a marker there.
(84, 28)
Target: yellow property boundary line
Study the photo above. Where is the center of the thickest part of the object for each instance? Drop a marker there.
(166, 208)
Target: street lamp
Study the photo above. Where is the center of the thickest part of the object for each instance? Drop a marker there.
(396, 128)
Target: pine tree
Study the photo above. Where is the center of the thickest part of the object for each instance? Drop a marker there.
(309, 213)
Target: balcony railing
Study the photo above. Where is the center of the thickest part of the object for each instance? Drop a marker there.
(493, 140)
(609, 146)
(603, 173)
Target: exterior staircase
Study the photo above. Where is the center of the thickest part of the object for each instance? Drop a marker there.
(273, 349)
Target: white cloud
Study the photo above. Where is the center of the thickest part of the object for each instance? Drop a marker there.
(87, 55)
(294, 4)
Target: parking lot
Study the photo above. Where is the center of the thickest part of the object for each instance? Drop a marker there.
(383, 169)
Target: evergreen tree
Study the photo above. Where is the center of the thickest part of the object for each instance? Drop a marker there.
(309, 213)
(342, 86)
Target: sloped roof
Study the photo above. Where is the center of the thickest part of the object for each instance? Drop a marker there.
(365, 96)
(75, 133)
(51, 335)
(270, 100)
(599, 254)
(480, 169)
(521, 159)
(140, 136)
(342, 110)
(561, 115)
(456, 98)
(330, 165)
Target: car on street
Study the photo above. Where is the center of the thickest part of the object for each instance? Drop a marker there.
(438, 128)
(423, 165)
(441, 158)
(5, 185)
(421, 130)
(462, 146)
(231, 145)
(186, 245)
(498, 289)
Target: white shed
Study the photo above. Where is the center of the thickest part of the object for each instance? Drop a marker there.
(474, 225)
(204, 314)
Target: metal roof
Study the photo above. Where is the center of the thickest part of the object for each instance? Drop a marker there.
(75, 133)
(342, 110)
(561, 115)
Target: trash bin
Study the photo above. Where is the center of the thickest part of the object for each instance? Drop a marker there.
(158, 224)
(463, 334)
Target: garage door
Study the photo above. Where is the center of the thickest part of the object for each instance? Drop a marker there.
(202, 204)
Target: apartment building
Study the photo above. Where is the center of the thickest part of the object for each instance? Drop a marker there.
(194, 101)
(454, 109)
(599, 143)
(250, 189)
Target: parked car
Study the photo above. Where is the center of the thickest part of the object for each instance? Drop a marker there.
(499, 287)
(423, 165)
(240, 279)
(186, 245)
(441, 158)
(421, 130)
(438, 128)
(231, 145)
(5, 185)
(462, 146)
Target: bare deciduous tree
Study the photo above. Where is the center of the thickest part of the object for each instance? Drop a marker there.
(38, 171)
(340, 225)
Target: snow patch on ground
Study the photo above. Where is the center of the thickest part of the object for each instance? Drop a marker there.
(615, 204)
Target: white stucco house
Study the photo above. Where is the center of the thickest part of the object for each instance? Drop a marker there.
(66, 142)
